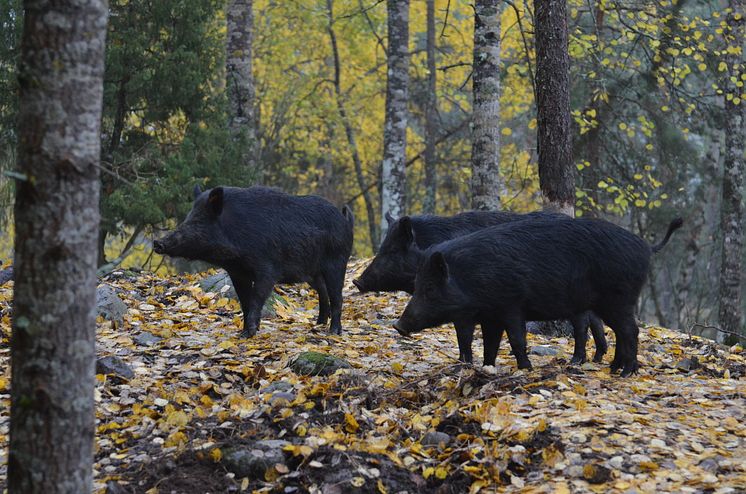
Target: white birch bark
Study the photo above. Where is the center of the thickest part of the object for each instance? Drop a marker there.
(393, 174)
(487, 187)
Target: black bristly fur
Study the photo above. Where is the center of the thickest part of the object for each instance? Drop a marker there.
(262, 236)
(395, 266)
(543, 269)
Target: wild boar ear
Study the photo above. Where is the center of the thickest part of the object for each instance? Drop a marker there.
(215, 201)
(389, 219)
(406, 234)
(439, 265)
(197, 190)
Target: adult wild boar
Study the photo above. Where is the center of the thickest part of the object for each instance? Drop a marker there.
(537, 270)
(262, 236)
(395, 265)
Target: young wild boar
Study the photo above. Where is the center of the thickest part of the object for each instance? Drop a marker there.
(262, 236)
(537, 270)
(395, 265)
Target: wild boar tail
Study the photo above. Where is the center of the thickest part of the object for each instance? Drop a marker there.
(675, 224)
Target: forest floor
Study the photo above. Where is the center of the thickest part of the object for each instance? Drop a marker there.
(405, 416)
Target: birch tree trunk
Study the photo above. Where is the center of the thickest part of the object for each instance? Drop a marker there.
(554, 142)
(239, 79)
(431, 115)
(56, 220)
(487, 186)
(393, 174)
(730, 314)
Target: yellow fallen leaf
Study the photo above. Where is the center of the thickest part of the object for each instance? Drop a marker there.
(216, 454)
(177, 439)
(351, 424)
(381, 488)
(177, 418)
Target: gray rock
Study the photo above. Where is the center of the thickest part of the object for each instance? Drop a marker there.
(114, 366)
(639, 458)
(657, 348)
(109, 305)
(709, 464)
(317, 364)
(616, 462)
(277, 386)
(6, 275)
(254, 460)
(544, 350)
(272, 443)
(435, 438)
(216, 283)
(688, 364)
(146, 339)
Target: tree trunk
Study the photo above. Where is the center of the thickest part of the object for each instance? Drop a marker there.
(487, 187)
(556, 171)
(349, 131)
(393, 174)
(56, 218)
(431, 115)
(239, 81)
(730, 314)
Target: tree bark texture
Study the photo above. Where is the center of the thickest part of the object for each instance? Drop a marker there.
(730, 314)
(239, 77)
(487, 187)
(56, 220)
(431, 115)
(554, 142)
(393, 174)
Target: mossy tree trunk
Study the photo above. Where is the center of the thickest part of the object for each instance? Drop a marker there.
(730, 314)
(57, 218)
(239, 79)
(554, 142)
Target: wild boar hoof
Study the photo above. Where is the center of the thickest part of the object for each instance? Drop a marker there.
(577, 360)
(630, 368)
(248, 333)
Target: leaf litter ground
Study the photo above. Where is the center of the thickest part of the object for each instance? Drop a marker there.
(405, 417)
